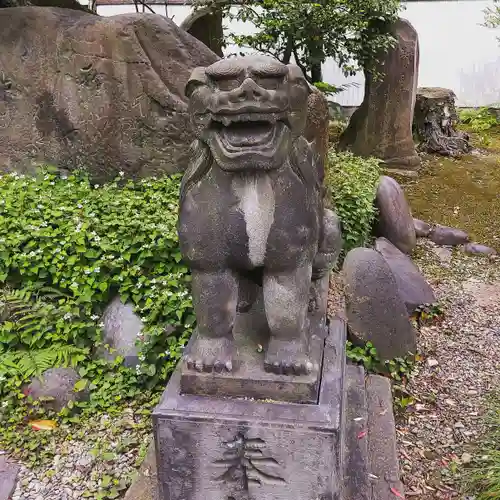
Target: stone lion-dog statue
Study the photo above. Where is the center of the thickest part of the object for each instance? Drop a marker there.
(251, 210)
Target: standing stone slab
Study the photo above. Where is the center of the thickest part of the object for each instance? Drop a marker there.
(382, 125)
(222, 449)
(395, 221)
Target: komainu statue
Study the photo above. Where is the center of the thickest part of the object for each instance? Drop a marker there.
(251, 210)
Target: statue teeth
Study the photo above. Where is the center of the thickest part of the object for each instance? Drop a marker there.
(226, 121)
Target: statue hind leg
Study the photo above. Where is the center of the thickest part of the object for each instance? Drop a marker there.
(215, 297)
(286, 300)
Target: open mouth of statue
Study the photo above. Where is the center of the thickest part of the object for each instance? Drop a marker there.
(258, 131)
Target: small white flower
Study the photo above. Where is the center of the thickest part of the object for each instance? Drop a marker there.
(121, 173)
(101, 325)
(94, 317)
(67, 316)
(96, 186)
(87, 271)
(80, 205)
(5, 404)
(97, 270)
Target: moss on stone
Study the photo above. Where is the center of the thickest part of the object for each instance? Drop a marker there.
(463, 193)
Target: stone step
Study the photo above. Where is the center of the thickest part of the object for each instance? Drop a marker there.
(8, 477)
(371, 467)
(357, 486)
(382, 450)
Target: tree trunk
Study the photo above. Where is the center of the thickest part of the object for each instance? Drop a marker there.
(316, 73)
(434, 123)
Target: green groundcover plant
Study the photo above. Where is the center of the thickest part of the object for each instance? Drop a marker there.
(352, 184)
(67, 247)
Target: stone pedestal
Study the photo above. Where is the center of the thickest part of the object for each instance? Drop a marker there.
(220, 448)
(250, 434)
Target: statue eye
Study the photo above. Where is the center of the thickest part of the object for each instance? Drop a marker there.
(269, 83)
(229, 84)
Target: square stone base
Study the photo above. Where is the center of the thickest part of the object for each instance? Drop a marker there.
(234, 449)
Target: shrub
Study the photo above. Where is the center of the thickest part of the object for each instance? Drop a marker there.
(66, 248)
(351, 183)
(479, 120)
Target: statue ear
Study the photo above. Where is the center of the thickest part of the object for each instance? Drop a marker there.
(198, 78)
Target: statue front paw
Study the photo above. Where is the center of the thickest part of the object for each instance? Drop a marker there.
(210, 354)
(287, 357)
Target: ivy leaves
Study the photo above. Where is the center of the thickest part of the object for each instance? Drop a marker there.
(352, 184)
(68, 246)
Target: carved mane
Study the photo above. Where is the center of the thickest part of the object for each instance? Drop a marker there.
(199, 166)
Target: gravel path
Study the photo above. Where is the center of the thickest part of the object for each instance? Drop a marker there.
(97, 461)
(461, 364)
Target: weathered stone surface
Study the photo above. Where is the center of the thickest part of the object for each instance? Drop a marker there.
(213, 448)
(145, 486)
(316, 130)
(450, 236)
(57, 387)
(478, 249)
(8, 477)
(422, 229)
(382, 446)
(413, 287)
(240, 225)
(122, 327)
(205, 25)
(435, 123)
(395, 221)
(382, 125)
(356, 466)
(375, 310)
(103, 93)
(248, 379)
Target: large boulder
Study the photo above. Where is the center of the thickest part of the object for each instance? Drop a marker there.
(395, 221)
(103, 93)
(375, 310)
(382, 125)
(413, 287)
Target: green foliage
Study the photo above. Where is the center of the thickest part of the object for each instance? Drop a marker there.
(479, 120)
(367, 356)
(492, 15)
(353, 32)
(482, 476)
(67, 247)
(352, 185)
(428, 314)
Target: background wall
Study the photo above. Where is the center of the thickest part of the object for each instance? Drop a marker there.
(455, 50)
